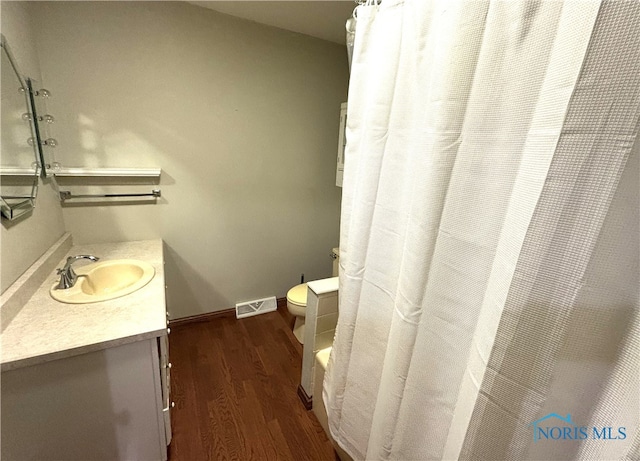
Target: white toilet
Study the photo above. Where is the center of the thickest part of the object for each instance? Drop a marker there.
(297, 299)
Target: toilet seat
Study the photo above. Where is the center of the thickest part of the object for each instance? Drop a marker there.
(298, 295)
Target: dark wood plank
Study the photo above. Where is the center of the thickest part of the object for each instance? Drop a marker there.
(235, 387)
(282, 450)
(183, 394)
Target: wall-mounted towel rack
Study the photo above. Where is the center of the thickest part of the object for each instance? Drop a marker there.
(63, 172)
(67, 195)
(16, 171)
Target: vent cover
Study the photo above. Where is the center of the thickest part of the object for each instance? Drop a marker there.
(255, 307)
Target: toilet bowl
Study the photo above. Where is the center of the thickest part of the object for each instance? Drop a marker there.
(296, 304)
(297, 300)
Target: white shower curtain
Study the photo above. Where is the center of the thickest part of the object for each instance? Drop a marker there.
(490, 233)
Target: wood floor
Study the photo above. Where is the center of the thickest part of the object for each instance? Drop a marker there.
(234, 386)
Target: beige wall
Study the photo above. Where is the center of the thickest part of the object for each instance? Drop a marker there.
(25, 240)
(242, 119)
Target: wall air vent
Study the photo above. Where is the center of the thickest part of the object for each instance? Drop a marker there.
(255, 307)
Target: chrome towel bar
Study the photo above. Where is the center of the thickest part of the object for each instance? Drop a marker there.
(67, 195)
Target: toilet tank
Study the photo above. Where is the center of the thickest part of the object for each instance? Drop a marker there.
(335, 255)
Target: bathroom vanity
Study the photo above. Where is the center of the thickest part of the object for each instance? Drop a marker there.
(86, 381)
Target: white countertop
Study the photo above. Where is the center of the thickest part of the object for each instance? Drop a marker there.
(45, 329)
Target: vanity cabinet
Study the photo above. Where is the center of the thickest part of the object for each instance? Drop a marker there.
(107, 404)
(85, 381)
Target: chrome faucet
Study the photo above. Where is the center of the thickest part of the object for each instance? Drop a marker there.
(67, 275)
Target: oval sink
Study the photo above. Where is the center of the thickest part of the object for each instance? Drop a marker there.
(105, 280)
